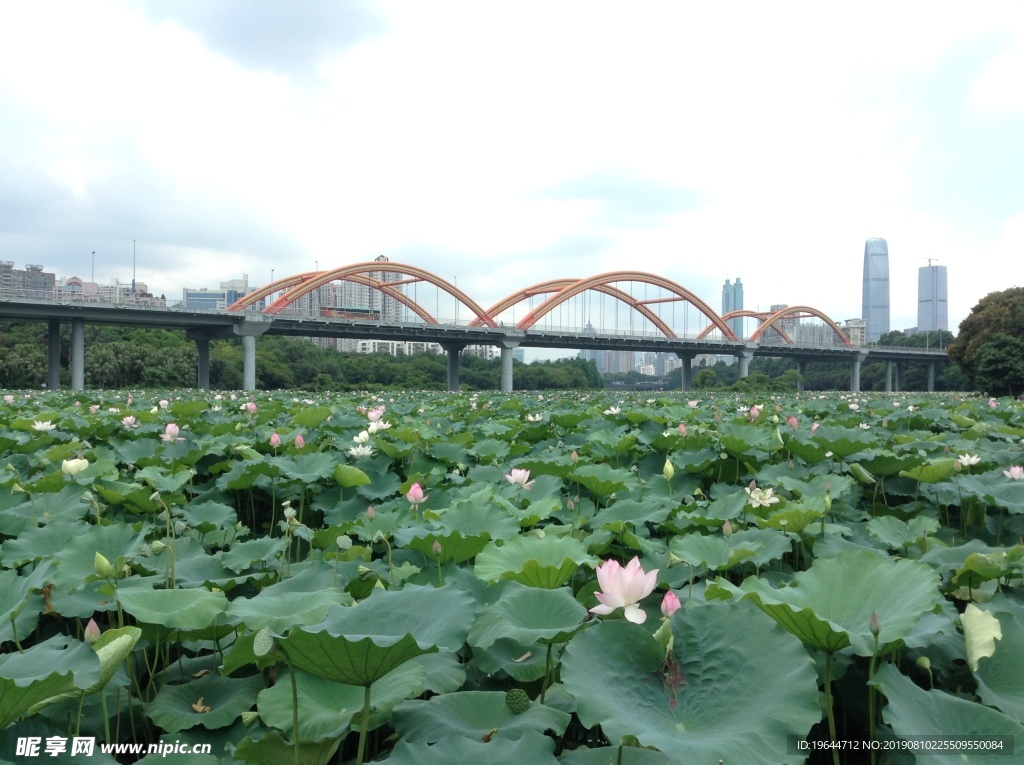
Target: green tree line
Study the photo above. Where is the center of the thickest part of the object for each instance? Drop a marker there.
(117, 357)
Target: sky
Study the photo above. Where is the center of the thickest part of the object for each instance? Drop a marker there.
(509, 143)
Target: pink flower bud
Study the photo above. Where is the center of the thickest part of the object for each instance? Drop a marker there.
(874, 625)
(299, 441)
(436, 547)
(682, 429)
(793, 422)
(670, 604)
(275, 440)
(251, 406)
(415, 495)
(92, 632)
(815, 426)
(575, 457)
(727, 529)
(371, 513)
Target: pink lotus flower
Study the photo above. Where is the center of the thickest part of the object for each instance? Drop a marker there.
(129, 421)
(624, 588)
(754, 412)
(520, 477)
(375, 414)
(793, 422)
(992, 403)
(275, 440)
(415, 495)
(670, 604)
(815, 426)
(682, 429)
(299, 441)
(1016, 472)
(251, 406)
(170, 433)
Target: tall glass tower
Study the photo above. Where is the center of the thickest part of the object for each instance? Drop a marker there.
(732, 300)
(875, 305)
(932, 310)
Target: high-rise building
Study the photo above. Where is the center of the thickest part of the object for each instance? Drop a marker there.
(732, 300)
(875, 305)
(932, 310)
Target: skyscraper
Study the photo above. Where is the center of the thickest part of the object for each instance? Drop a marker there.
(932, 312)
(732, 300)
(875, 305)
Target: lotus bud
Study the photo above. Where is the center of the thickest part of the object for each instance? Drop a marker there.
(874, 625)
(727, 529)
(957, 467)
(682, 429)
(92, 632)
(670, 604)
(575, 457)
(102, 566)
(238, 427)
(371, 513)
(668, 471)
(275, 440)
(74, 467)
(299, 441)
(775, 419)
(436, 547)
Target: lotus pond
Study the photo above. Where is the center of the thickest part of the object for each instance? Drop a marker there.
(579, 579)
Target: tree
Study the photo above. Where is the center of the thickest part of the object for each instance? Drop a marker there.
(999, 313)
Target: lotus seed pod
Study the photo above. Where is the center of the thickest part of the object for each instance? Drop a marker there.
(517, 701)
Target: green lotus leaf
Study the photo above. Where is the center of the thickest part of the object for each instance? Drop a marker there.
(932, 472)
(602, 480)
(287, 604)
(44, 673)
(490, 450)
(999, 675)
(244, 555)
(349, 660)
(245, 475)
(529, 615)
(118, 543)
(546, 562)
(534, 748)
(914, 713)
(454, 546)
(192, 609)
(212, 701)
(272, 749)
(163, 480)
(712, 551)
(717, 699)
(695, 460)
(995, 489)
(473, 514)
(20, 603)
(347, 476)
(985, 567)
(830, 605)
(897, 533)
(360, 644)
(750, 441)
(112, 648)
(326, 707)
(843, 442)
(306, 468)
(473, 714)
(206, 517)
(311, 416)
(65, 505)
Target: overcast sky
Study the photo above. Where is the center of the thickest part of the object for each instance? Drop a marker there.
(508, 143)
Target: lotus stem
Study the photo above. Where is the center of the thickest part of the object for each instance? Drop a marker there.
(828, 708)
(363, 727)
(547, 675)
(295, 710)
